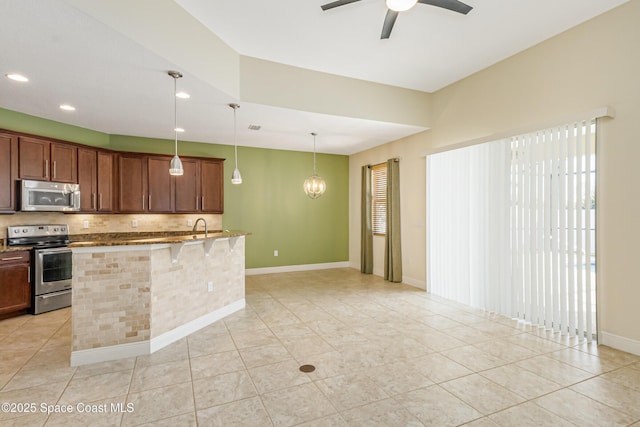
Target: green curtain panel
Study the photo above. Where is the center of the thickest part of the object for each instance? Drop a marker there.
(392, 247)
(366, 233)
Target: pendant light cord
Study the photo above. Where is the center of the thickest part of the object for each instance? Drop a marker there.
(314, 153)
(175, 112)
(235, 131)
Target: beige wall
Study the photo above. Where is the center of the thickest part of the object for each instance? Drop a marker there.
(593, 65)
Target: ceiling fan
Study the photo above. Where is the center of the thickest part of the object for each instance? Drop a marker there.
(397, 6)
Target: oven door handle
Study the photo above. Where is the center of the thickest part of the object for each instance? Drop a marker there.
(53, 294)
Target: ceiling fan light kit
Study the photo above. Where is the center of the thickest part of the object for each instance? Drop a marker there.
(401, 5)
(397, 6)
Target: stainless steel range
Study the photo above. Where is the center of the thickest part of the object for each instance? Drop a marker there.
(50, 264)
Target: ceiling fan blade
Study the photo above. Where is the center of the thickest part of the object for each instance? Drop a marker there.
(454, 5)
(389, 21)
(336, 4)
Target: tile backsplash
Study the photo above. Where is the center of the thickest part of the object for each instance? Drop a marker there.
(110, 223)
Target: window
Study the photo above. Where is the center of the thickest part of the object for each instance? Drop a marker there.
(379, 198)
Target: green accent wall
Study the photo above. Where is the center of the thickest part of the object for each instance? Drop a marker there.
(20, 122)
(270, 203)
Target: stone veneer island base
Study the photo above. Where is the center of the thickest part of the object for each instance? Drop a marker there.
(134, 299)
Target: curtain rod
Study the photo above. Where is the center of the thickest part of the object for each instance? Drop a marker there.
(395, 159)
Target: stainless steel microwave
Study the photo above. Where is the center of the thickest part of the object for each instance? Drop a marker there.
(49, 196)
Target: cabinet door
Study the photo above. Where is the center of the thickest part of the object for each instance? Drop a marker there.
(8, 172)
(34, 158)
(87, 178)
(212, 188)
(132, 183)
(161, 185)
(105, 182)
(188, 187)
(15, 290)
(63, 162)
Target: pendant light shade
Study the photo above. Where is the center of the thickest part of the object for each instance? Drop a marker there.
(401, 5)
(175, 167)
(236, 178)
(314, 186)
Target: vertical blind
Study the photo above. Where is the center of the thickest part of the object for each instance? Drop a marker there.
(511, 227)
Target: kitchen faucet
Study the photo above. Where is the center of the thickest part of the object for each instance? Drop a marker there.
(195, 226)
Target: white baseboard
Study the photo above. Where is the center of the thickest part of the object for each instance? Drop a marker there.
(301, 267)
(113, 352)
(619, 343)
(421, 284)
(182, 331)
(123, 351)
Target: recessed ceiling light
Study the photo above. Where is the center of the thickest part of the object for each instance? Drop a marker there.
(67, 107)
(179, 129)
(183, 95)
(17, 77)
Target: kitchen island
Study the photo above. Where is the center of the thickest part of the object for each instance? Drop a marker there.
(135, 294)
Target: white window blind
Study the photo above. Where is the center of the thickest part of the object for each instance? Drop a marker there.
(511, 227)
(379, 198)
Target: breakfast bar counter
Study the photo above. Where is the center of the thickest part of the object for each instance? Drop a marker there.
(135, 294)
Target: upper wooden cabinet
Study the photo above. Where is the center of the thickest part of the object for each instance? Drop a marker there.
(212, 186)
(96, 179)
(146, 186)
(188, 196)
(45, 160)
(8, 172)
(132, 183)
(144, 183)
(161, 185)
(110, 181)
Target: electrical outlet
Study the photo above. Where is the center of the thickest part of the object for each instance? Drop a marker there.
(134, 223)
(189, 222)
(210, 286)
(275, 252)
(85, 224)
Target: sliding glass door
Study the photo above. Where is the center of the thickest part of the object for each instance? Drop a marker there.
(511, 227)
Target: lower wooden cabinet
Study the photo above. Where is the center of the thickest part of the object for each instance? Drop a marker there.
(15, 289)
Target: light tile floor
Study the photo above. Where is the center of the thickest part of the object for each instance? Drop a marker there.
(385, 355)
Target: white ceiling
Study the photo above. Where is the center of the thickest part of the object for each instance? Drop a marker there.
(119, 87)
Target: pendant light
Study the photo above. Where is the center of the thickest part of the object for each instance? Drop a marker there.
(175, 167)
(314, 186)
(236, 178)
